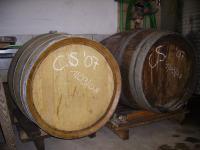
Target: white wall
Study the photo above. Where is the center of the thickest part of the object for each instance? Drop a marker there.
(70, 16)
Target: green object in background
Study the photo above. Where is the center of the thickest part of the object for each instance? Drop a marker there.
(129, 14)
(121, 15)
(15, 46)
(149, 19)
(4, 46)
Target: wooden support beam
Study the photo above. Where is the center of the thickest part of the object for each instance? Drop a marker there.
(5, 121)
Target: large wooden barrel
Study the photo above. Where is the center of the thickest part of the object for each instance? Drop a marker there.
(68, 86)
(157, 69)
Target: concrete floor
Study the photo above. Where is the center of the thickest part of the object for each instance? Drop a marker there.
(165, 135)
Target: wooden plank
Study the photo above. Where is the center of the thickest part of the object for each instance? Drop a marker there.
(124, 120)
(5, 120)
(147, 120)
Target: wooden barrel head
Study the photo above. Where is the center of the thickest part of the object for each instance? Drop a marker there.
(73, 88)
(166, 72)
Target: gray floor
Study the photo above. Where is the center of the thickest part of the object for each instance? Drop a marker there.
(165, 135)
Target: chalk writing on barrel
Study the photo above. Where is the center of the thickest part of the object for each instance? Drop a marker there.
(72, 60)
(85, 81)
(161, 57)
(173, 70)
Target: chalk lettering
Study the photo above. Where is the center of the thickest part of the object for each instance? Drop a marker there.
(85, 81)
(160, 57)
(173, 70)
(180, 54)
(90, 61)
(73, 60)
(57, 64)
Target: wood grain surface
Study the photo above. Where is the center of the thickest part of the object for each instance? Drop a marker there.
(68, 86)
(73, 87)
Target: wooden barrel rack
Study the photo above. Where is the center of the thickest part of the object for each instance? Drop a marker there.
(5, 123)
(11, 115)
(126, 118)
(27, 130)
(123, 120)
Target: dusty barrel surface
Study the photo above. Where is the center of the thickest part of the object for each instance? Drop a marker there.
(157, 69)
(68, 86)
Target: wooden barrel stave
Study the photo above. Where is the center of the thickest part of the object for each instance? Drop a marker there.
(21, 72)
(114, 44)
(12, 70)
(15, 70)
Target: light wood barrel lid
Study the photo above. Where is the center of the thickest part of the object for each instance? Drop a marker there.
(73, 88)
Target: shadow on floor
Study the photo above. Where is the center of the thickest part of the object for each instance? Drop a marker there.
(191, 121)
